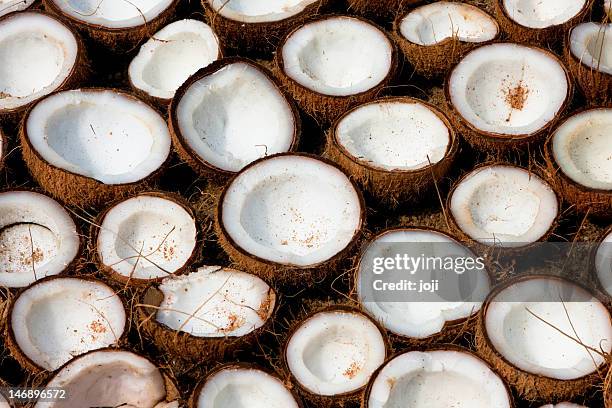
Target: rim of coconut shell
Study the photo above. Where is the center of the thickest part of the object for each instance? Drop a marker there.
(314, 6)
(501, 137)
(215, 66)
(339, 255)
(502, 9)
(167, 195)
(568, 49)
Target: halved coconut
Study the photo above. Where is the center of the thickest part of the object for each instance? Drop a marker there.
(381, 10)
(332, 354)
(38, 55)
(324, 67)
(540, 333)
(588, 53)
(441, 378)
(230, 114)
(91, 146)
(417, 321)
(602, 262)
(38, 238)
(539, 21)
(8, 6)
(208, 313)
(579, 158)
(434, 37)
(506, 95)
(242, 386)
(59, 318)
(290, 218)
(146, 238)
(396, 148)
(112, 378)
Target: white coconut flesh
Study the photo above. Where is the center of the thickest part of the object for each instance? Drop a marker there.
(504, 206)
(113, 13)
(215, 302)
(291, 209)
(508, 89)
(328, 57)
(101, 134)
(582, 147)
(8, 6)
(519, 322)
(234, 116)
(248, 11)
(37, 54)
(603, 263)
(171, 56)
(591, 44)
(437, 379)
(421, 319)
(237, 387)
(394, 135)
(335, 352)
(38, 238)
(56, 320)
(542, 13)
(433, 23)
(146, 237)
(109, 378)
(563, 405)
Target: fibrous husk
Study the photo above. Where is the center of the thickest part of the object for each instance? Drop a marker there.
(380, 10)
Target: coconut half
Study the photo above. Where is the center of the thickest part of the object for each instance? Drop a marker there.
(528, 331)
(603, 262)
(242, 386)
(394, 147)
(8, 6)
(171, 56)
(231, 114)
(437, 379)
(501, 205)
(289, 217)
(435, 36)
(323, 66)
(87, 147)
(38, 238)
(112, 378)
(507, 95)
(57, 319)
(146, 237)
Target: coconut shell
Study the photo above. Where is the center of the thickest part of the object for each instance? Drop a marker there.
(380, 10)
(392, 187)
(607, 390)
(186, 152)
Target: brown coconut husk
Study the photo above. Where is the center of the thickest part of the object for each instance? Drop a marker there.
(392, 187)
(75, 189)
(3, 148)
(185, 151)
(607, 390)
(326, 108)
(380, 10)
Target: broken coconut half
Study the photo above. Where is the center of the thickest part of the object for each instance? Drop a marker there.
(112, 378)
(289, 218)
(91, 146)
(435, 36)
(207, 313)
(38, 238)
(602, 263)
(146, 238)
(441, 378)
(325, 69)
(229, 115)
(579, 157)
(505, 96)
(394, 147)
(540, 333)
(503, 205)
(171, 56)
(59, 318)
(588, 53)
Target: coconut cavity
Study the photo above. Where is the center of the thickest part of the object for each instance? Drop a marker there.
(232, 115)
(437, 379)
(591, 44)
(37, 56)
(503, 205)
(171, 56)
(55, 320)
(246, 11)
(38, 238)
(542, 13)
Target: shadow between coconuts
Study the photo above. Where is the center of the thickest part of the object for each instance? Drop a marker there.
(380, 10)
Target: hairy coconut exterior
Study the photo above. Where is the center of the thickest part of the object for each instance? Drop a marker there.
(326, 108)
(594, 84)
(607, 390)
(3, 148)
(380, 10)
(392, 187)
(182, 147)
